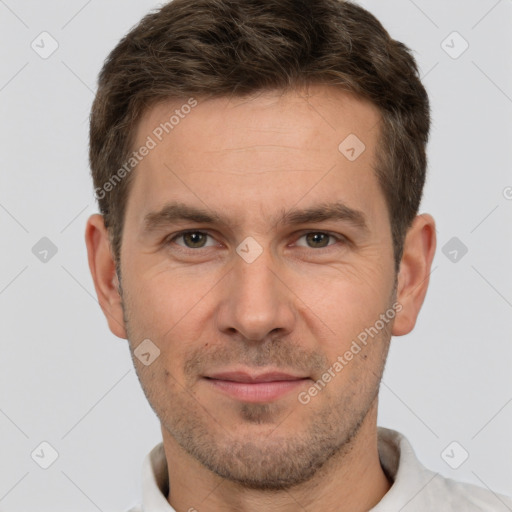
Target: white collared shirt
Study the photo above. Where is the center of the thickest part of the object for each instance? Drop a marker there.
(414, 489)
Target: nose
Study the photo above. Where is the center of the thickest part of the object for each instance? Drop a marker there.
(256, 301)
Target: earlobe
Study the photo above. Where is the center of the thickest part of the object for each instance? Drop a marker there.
(415, 269)
(103, 271)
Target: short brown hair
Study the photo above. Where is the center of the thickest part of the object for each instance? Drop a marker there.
(218, 48)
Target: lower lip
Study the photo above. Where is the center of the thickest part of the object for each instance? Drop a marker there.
(256, 391)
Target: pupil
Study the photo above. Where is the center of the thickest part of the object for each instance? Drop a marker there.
(318, 238)
(195, 238)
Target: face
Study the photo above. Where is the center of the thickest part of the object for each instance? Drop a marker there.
(255, 253)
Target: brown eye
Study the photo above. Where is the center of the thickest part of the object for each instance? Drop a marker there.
(318, 240)
(194, 240)
(191, 239)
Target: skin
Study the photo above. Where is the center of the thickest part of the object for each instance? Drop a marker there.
(295, 308)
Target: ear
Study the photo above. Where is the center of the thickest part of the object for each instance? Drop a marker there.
(103, 271)
(414, 274)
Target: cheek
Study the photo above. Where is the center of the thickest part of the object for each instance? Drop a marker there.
(345, 299)
(161, 298)
(173, 309)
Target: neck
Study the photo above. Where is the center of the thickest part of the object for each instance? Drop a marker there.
(353, 481)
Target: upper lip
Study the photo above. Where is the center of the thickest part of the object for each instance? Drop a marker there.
(240, 376)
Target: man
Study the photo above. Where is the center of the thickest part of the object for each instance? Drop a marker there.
(259, 167)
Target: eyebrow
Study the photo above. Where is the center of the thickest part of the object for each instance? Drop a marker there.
(175, 212)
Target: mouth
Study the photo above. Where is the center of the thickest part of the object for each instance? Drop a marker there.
(254, 388)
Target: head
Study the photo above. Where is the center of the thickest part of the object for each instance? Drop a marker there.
(288, 139)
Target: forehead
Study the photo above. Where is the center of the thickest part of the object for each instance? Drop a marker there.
(267, 150)
(300, 116)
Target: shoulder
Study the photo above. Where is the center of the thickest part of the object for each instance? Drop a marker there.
(457, 495)
(418, 489)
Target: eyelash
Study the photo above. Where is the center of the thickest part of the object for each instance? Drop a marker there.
(339, 239)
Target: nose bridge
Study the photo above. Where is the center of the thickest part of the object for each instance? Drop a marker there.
(256, 279)
(256, 302)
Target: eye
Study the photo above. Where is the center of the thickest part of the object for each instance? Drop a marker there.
(199, 240)
(191, 239)
(319, 239)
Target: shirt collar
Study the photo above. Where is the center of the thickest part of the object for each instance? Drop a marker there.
(155, 483)
(396, 455)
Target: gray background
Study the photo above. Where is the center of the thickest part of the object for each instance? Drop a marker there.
(65, 379)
